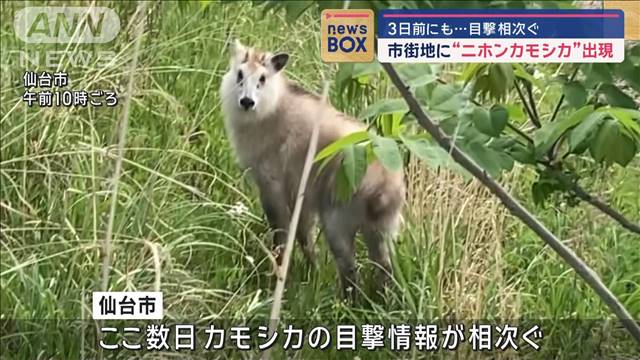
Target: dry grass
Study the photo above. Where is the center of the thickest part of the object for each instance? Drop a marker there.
(465, 211)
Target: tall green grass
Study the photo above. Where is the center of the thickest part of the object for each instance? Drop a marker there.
(179, 225)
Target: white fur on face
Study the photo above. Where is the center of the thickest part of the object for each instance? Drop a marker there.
(253, 82)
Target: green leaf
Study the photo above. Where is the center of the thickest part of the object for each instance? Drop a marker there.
(432, 154)
(516, 112)
(522, 154)
(416, 75)
(539, 193)
(584, 130)
(483, 121)
(635, 114)
(611, 145)
(351, 71)
(615, 97)
(629, 72)
(625, 117)
(344, 74)
(465, 129)
(546, 185)
(520, 72)
(387, 151)
(396, 123)
(481, 85)
(354, 164)
(391, 124)
(499, 118)
(575, 93)
(597, 73)
(360, 69)
(343, 189)
(494, 162)
(337, 145)
(425, 150)
(501, 79)
(445, 97)
(385, 106)
(546, 136)
(470, 71)
(421, 80)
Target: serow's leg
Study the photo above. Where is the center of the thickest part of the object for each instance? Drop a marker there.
(304, 235)
(340, 234)
(379, 255)
(278, 216)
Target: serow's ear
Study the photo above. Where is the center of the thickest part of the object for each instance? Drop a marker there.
(278, 61)
(238, 51)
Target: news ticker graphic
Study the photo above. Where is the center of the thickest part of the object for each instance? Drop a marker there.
(321, 338)
(50, 94)
(347, 35)
(371, 337)
(127, 305)
(480, 35)
(148, 305)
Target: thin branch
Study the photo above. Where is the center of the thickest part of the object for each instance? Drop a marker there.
(534, 119)
(575, 188)
(594, 201)
(532, 102)
(589, 276)
(520, 132)
(561, 100)
(293, 225)
(124, 123)
(553, 151)
(605, 208)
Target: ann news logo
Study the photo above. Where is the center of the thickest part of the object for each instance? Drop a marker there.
(61, 24)
(347, 35)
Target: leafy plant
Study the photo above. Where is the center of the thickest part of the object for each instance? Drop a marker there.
(596, 114)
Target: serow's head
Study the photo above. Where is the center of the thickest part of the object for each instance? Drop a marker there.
(254, 79)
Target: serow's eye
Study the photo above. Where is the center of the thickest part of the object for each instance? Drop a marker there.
(240, 76)
(262, 80)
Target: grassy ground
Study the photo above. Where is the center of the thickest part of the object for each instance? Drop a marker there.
(460, 257)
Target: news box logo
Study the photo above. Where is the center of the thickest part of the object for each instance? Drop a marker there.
(347, 35)
(75, 24)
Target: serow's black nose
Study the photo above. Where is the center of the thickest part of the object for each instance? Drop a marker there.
(246, 103)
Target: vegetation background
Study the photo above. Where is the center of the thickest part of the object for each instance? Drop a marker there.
(188, 221)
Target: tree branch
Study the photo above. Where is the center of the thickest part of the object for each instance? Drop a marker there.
(605, 208)
(520, 132)
(561, 100)
(527, 86)
(589, 276)
(534, 118)
(580, 192)
(575, 188)
(553, 151)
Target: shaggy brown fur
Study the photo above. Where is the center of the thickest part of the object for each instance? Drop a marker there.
(271, 139)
